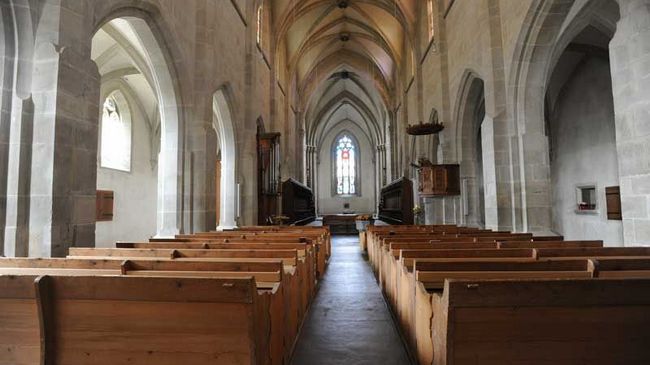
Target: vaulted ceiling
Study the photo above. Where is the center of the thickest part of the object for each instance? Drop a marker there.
(343, 58)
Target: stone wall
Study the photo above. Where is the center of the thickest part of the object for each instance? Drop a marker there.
(206, 46)
(512, 46)
(328, 202)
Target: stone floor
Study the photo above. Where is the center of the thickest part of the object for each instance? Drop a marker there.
(349, 322)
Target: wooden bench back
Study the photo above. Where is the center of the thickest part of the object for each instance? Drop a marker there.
(289, 257)
(135, 320)
(599, 322)
(623, 268)
(268, 272)
(433, 274)
(236, 238)
(409, 256)
(395, 248)
(588, 252)
(213, 245)
(550, 244)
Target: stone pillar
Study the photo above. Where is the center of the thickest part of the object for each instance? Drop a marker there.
(247, 179)
(16, 235)
(381, 174)
(491, 205)
(310, 166)
(429, 210)
(629, 54)
(66, 88)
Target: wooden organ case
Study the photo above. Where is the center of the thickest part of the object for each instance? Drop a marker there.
(396, 203)
(298, 203)
(268, 176)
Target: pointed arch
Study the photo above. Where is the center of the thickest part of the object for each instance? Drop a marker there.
(142, 25)
(222, 122)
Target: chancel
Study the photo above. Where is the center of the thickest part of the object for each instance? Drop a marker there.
(275, 182)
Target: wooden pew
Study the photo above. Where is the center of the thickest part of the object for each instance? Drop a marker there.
(392, 249)
(307, 250)
(403, 296)
(429, 280)
(321, 237)
(390, 253)
(289, 257)
(389, 271)
(315, 258)
(283, 312)
(137, 320)
(559, 321)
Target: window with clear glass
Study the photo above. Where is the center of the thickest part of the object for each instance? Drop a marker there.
(586, 196)
(260, 19)
(115, 136)
(345, 166)
(430, 18)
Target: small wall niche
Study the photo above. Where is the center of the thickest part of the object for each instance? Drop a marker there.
(586, 199)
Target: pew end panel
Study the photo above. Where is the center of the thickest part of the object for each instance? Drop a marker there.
(561, 321)
(20, 334)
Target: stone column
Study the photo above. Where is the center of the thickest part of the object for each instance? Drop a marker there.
(310, 166)
(429, 210)
(16, 235)
(380, 174)
(629, 54)
(64, 152)
(491, 205)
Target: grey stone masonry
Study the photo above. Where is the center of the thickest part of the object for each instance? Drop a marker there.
(630, 66)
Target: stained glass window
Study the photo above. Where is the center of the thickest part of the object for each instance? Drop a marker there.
(345, 166)
(115, 137)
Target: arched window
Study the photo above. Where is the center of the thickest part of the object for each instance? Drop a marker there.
(430, 19)
(115, 134)
(345, 152)
(260, 24)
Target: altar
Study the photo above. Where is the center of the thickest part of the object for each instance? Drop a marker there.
(341, 224)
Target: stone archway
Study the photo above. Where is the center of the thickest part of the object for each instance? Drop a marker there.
(549, 27)
(229, 196)
(470, 116)
(152, 61)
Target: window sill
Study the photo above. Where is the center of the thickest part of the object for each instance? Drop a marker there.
(115, 169)
(587, 212)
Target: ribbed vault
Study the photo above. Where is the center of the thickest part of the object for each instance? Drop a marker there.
(343, 60)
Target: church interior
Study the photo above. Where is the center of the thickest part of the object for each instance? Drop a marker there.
(306, 182)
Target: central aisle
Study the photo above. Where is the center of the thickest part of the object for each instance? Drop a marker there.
(348, 322)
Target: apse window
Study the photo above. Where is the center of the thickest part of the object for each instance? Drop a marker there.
(346, 166)
(115, 134)
(586, 198)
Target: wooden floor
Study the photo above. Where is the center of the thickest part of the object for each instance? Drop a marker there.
(349, 321)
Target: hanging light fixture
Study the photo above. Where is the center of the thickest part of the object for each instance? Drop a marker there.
(422, 129)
